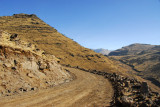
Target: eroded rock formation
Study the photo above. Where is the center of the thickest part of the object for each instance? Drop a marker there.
(23, 67)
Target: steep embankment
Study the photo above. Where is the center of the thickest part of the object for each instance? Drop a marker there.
(143, 58)
(23, 68)
(31, 28)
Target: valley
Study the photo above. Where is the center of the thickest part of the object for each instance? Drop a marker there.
(143, 58)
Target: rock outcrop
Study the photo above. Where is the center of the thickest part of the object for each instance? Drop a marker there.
(24, 68)
(22, 15)
(129, 92)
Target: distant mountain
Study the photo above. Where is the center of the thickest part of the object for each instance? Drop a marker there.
(132, 49)
(102, 51)
(143, 58)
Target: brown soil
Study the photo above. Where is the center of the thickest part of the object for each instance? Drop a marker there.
(86, 90)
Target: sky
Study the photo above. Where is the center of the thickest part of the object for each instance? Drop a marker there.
(108, 24)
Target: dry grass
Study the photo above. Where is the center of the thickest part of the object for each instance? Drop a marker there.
(147, 65)
(34, 30)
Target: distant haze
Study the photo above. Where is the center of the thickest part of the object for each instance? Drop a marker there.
(102, 51)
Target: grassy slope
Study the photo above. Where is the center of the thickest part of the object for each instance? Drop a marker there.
(30, 28)
(34, 30)
(147, 63)
(132, 49)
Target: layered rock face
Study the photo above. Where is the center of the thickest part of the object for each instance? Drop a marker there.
(23, 67)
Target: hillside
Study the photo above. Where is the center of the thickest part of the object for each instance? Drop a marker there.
(24, 68)
(132, 49)
(145, 60)
(33, 30)
(30, 77)
(31, 54)
(102, 51)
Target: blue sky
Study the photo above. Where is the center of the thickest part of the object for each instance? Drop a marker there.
(108, 24)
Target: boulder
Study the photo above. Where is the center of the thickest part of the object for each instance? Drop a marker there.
(30, 65)
(127, 84)
(144, 88)
(31, 75)
(40, 75)
(13, 36)
(127, 101)
(42, 66)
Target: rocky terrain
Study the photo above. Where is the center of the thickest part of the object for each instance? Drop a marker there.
(23, 67)
(130, 92)
(86, 89)
(143, 58)
(41, 67)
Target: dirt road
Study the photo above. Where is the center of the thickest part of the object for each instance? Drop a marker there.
(87, 90)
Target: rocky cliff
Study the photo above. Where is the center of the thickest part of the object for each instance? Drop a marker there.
(24, 67)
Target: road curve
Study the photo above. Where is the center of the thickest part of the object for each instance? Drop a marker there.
(86, 90)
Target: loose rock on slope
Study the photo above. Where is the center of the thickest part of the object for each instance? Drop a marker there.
(23, 69)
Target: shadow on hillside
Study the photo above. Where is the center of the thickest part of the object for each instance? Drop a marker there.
(154, 81)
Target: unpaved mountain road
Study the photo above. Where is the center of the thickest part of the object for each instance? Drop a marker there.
(86, 90)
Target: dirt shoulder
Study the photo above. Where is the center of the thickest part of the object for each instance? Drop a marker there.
(86, 90)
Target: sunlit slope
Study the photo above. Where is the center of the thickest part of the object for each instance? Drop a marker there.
(143, 58)
(32, 29)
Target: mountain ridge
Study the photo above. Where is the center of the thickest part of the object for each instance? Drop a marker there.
(145, 60)
(132, 49)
